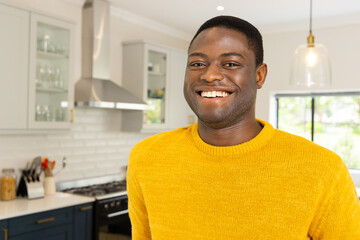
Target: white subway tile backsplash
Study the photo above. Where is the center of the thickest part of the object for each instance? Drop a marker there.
(93, 128)
(95, 142)
(94, 147)
(77, 128)
(109, 135)
(72, 143)
(84, 150)
(59, 137)
(106, 149)
(84, 135)
(96, 173)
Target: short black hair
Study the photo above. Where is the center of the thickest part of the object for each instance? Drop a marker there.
(252, 33)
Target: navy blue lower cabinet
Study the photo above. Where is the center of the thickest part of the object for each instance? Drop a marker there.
(4, 230)
(83, 222)
(69, 223)
(49, 225)
(63, 232)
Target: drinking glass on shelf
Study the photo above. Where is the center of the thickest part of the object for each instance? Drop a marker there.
(62, 50)
(58, 83)
(51, 47)
(47, 76)
(46, 116)
(38, 113)
(40, 40)
(42, 73)
(47, 41)
(38, 77)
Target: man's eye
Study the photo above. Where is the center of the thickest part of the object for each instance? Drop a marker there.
(197, 64)
(231, 64)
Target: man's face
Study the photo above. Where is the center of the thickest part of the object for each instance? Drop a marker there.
(221, 77)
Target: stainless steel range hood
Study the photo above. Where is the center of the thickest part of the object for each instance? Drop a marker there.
(95, 89)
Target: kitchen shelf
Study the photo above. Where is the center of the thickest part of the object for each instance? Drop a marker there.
(156, 73)
(50, 56)
(51, 90)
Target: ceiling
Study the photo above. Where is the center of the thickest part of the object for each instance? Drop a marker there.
(187, 15)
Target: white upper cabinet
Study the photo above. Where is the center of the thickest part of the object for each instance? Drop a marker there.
(14, 60)
(37, 71)
(51, 73)
(155, 73)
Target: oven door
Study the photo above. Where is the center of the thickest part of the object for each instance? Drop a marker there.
(112, 219)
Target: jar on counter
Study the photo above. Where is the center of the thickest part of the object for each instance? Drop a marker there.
(8, 184)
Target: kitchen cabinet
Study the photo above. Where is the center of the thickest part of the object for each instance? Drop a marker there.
(83, 222)
(51, 73)
(3, 230)
(55, 224)
(69, 223)
(155, 73)
(14, 48)
(37, 70)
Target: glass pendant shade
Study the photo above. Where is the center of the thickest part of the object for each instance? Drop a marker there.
(310, 66)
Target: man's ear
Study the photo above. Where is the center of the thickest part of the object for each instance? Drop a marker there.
(261, 72)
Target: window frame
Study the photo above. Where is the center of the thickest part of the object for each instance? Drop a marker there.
(273, 113)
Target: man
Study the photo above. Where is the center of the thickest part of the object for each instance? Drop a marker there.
(232, 176)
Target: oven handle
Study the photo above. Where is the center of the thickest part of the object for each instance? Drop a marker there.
(110, 215)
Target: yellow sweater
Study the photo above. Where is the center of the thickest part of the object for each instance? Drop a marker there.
(276, 186)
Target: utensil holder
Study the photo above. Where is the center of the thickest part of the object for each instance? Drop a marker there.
(49, 186)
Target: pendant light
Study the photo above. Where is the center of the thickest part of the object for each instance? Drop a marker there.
(310, 63)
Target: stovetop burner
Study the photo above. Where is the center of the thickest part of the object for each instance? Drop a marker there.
(99, 189)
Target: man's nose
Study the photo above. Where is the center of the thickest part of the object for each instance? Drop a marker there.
(213, 73)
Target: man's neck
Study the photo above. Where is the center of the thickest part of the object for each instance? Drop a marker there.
(239, 133)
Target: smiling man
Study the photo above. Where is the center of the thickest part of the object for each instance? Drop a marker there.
(232, 176)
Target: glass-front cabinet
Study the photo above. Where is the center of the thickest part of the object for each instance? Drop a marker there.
(155, 73)
(51, 73)
(155, 88)
(146, 74)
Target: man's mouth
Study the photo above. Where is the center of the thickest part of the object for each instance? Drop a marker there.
(213, 94)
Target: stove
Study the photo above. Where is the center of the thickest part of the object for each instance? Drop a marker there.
(110, 215)
(100, 191)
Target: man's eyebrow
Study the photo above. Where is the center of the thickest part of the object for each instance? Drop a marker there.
(232, 54)
(194, 54)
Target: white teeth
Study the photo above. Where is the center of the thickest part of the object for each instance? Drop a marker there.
(213, 94)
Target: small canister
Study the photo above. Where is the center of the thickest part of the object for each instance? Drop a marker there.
(8, 184)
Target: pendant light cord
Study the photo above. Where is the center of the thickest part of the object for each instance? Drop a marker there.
(310, 38)
(310, 16)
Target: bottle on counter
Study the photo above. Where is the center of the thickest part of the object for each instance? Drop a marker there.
(8, 184)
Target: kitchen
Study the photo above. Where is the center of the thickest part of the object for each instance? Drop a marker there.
(96, 145)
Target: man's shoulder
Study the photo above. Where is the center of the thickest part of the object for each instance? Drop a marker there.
(298, 145)
(162, 140)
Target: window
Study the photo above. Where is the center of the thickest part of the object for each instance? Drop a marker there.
(331, 120)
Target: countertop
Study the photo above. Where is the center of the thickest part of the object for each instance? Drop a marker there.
(23, 206)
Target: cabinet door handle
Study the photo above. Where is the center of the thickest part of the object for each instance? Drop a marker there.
(85, 208)
(72, 115)
(5, 233)
(45, 220)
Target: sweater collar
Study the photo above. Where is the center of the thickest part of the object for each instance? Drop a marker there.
(254, 144)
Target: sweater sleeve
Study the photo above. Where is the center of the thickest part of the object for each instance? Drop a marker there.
(338, 215)
(137, 210)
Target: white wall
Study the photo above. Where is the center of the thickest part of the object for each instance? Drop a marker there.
(343, 45)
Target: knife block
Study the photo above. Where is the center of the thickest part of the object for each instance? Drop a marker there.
(35, 190)
(30, 189)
